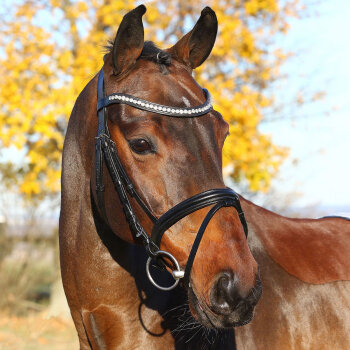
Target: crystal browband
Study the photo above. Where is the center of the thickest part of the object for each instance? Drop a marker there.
(157, 108)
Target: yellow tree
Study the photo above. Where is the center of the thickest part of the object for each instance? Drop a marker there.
(51, 48)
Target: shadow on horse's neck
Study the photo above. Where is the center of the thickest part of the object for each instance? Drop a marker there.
(172, 306)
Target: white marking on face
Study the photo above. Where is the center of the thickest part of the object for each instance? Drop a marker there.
(186, 102)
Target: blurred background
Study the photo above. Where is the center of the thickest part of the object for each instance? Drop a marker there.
(279, 74)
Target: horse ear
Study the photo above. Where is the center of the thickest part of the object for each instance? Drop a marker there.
(128, 43)
(194, 48)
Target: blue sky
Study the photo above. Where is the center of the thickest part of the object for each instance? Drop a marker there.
(320, 140)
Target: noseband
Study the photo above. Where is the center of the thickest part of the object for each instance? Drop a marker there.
(106, 150)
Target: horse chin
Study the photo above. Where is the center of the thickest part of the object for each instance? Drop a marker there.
(241, 316)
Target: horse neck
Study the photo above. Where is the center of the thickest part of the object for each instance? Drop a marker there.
(77, 155)
(267, 224)
(79, 142)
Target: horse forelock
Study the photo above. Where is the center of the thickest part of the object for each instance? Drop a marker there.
(150, 52)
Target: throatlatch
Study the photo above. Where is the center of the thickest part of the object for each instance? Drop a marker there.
(107, 150)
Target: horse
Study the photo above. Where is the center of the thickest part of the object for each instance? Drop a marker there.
(153, 246)
(141, 174)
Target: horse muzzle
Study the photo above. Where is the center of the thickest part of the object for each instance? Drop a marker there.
(227, 307)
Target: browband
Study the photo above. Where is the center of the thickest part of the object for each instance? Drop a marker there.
(157, 108)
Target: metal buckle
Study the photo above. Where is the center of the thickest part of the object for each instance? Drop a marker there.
(177, 274)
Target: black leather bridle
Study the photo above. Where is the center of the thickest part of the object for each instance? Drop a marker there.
(106, 150)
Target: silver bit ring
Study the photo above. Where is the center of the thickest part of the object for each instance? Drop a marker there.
(177, 273)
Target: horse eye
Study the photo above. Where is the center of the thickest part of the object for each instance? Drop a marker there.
(140, 146)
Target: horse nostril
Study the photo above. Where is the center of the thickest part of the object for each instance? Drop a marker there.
(225, 296)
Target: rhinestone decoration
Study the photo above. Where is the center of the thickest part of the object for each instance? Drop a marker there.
(160, 109)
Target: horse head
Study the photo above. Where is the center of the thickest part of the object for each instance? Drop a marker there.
(169, 159)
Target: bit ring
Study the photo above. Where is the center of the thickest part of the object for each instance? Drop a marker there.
(177, 273)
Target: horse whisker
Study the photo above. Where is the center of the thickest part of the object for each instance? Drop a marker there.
(193, 335)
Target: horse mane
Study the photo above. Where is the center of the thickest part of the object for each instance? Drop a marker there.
(151, 52)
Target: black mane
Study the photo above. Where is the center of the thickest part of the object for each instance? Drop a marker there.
(151, 53)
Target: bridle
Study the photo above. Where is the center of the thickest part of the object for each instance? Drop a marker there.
(106, 150)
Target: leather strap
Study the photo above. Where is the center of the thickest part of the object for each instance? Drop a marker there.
(101, 130)
(190, 205)
(106, 149)
(198, 239)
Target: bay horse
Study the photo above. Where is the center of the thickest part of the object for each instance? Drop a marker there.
(142, 186)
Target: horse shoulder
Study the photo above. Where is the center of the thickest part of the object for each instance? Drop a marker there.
(313, 250)
(293, 314)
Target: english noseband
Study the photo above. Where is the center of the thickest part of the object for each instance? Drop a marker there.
(106, 150)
